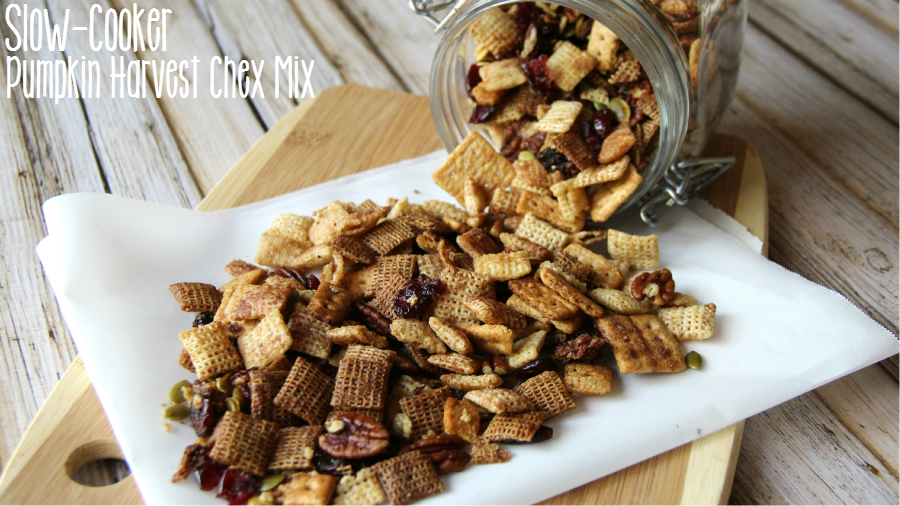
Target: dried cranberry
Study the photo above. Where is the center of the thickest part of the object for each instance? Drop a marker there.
(528, 14)
(481, 113)
(203, 414)
(457, 394)
(326, 464)
(313, 282)
(538, 74)
(590, 136)
(553, 160)
(542, 434)
(416, 295)
(236, 486)
(604, 121)
(209, 474)
(328, 369)
(204, 318)
(473, 78)
(535, 367)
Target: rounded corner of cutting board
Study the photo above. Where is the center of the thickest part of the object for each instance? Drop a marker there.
(395, 126)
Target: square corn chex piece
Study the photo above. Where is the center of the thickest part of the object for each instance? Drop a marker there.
(306, 392)
(293, 226)
(267, 342)
(548, 393)
(474, 158)
(587, 379)
(497, 31)
(244, 442)
(426, 412)
(308, 335)
(362, 378)
(196, 297)
(388, 236)
(295, 448)
(690, 323)
(606, 198)
(362, 488)
(330, 304)
(641, 344)
(560, 118)
(568, 65)
(210, 350)
(641, 251)
(542, 233)
(502, 75)
(276, 250)
(308, 488)
(250, 302)
(408, 478)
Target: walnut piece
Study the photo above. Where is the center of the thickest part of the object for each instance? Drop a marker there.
(657, 284)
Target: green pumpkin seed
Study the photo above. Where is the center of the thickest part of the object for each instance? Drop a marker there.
(240, 398)
(232, 404)
(693, 360)
(621, 109)
(599, 105)
(224, 386)
(176, 412)
(176, 395)
(526, 156)
(271, 481)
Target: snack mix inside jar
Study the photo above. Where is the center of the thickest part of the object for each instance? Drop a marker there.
(600, 104)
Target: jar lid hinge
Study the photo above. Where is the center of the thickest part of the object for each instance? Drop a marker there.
(683, 180)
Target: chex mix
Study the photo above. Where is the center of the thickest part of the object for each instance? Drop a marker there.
(437, 336)
(569, 105)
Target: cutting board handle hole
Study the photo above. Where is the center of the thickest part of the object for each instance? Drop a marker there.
(98, 463)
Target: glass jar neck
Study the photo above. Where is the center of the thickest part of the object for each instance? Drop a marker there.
(637, 23)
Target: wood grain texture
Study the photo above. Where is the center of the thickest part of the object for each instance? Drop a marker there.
(229, 126)
(403, 39)
(839, 42)
(346, 47)
(132, 141)
(699, 472)
(817, 461)
(264, 30)
(47, 152)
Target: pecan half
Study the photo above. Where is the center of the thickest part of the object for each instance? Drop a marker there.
(445, 451)
(584, 347)
(372, 319)
(354, 436)
(657, 284)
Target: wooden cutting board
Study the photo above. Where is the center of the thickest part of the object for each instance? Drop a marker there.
(348, 129)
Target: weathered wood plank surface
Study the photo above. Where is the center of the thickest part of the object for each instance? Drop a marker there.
(818, 100)
(213, 133)
(839, 42)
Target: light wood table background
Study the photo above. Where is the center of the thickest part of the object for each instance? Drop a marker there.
(818, 99)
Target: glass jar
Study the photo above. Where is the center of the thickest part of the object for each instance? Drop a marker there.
(692, 91)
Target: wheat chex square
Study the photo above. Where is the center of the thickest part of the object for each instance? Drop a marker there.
(295, 448)
(408, 478)
(426, 412)
(548, 393)
(244, 442)
(306, 392)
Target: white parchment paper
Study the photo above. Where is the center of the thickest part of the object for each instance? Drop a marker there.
(110, 261)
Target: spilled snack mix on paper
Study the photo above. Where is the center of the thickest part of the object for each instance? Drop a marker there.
(436, 338)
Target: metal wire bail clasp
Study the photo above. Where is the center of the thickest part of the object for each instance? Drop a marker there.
(427, 8)
(683, 180)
